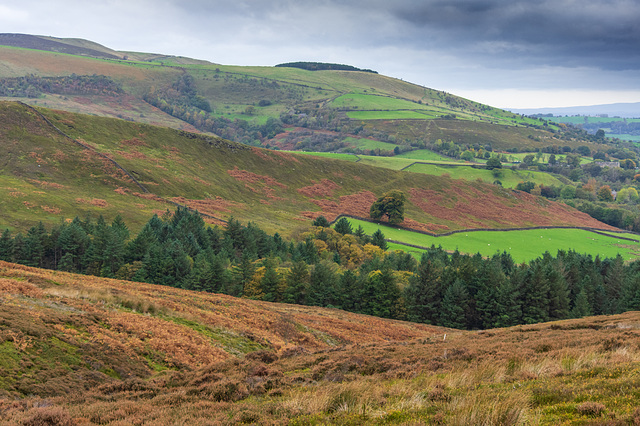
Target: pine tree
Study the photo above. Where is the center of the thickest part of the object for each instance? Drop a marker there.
(581, 306)
(322, 285)
(378, 239)
(18, 249)
(614, 282)
(201, 276)
(380, 294)
(34, 246)
(321, 221)
(297, 282)
(535, 296)
(72, 243)
(6, 246)
(425, 291)
(343, 226)
(271, 281)
(242, 274)
(558, 294)
(509, 310)
(454, 306)
(349, 291)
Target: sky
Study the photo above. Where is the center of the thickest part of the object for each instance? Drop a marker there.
(505, 53)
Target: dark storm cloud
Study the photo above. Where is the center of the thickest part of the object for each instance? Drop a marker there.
(601, 34)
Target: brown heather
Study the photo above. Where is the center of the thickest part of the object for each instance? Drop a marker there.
(86, 350)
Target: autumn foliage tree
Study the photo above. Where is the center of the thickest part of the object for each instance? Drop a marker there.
(391, 205)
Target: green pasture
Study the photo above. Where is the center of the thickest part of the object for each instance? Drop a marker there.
(427, 155)
(394, 163)
(508, 177)
(389, 115)
(522, 245)
(369, 144)
(544, 159)
(370, 102)
(587, 119)
(623, 136)
(335, 155)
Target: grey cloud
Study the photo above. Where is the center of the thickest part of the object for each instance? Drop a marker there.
(566, 32)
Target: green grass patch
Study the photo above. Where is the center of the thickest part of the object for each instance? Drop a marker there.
(334, 155)
(369, 144)
(427, 155)
(371, 102)
(230, 342)
(387, 115)
(522, 245)
(509, 178)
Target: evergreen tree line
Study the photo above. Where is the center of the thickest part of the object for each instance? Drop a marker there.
(337, 267)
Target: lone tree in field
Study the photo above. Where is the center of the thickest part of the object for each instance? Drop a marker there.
(494, 163)
(391, 205)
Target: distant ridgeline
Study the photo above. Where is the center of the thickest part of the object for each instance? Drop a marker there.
(322, 66)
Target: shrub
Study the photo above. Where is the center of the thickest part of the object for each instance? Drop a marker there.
(48, 416)
(590, 408)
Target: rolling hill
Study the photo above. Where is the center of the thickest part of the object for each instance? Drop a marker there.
(255, 104)
(86, 350)
(57, 165)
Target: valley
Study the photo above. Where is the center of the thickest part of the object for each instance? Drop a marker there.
(186, 242)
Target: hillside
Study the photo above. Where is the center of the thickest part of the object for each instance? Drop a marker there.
(254, 105)
(85, 350)
(58, 165)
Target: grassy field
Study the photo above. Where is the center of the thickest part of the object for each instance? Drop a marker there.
(634, 138)
(371, 102)
(427, 155)
(334, 155)
(544, 158)
(508, 177)
(586, 119)
(389, 115)
(369, 144)
(522, 245)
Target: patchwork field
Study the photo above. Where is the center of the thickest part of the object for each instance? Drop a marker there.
(523, 245)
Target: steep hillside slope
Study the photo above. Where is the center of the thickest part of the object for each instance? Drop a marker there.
(58, 165)
(80, 350)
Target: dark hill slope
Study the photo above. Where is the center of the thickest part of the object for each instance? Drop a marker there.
(57, 165)
(51, 44)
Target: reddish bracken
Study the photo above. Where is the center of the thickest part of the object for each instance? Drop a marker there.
(322, 189)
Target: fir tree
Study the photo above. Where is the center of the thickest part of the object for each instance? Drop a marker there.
(454, 306)
(378, 239)
(297, 282)
(535, 296)
(322, 285)
(321, 221)
(343, 226)
(581, 306)
(6, 246)
(271, 282)
(424, 293)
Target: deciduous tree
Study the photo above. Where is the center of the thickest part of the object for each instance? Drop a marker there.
(391, 205)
